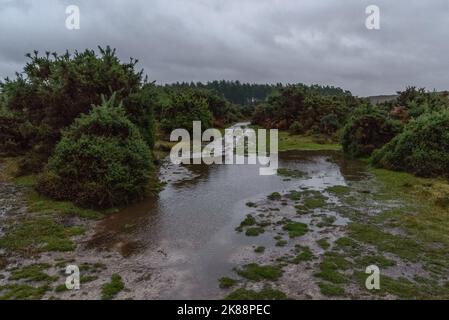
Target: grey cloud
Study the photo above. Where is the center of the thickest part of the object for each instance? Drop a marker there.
(262, 41)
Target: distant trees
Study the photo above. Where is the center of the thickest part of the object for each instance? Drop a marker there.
(234, 91)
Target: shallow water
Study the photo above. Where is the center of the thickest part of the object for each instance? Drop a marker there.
(194, 218)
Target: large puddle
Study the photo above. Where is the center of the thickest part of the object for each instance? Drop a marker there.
(194, 218)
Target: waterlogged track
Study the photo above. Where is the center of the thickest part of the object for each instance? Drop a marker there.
(225, 231)
(191, 226)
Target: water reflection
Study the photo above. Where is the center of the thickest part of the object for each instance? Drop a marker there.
(195, 215)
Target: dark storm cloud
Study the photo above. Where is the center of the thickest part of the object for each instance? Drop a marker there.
(290, 41)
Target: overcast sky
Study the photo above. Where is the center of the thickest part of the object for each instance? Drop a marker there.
(309, 41)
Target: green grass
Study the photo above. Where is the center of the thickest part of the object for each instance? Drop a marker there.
(295, 195)
(405, 248)
(315, 203)
(251, 204)
(304, 254)
(323, 243)
(61, 288)
(42, 204)
(296, 229)
(22, 292)
(254, 232)
(289, 142)
(226, 282)
(267, 293)
(88, 278)
(274, 196)
(32, 272)
(326, 221)
(111, 289)
(259, 249)
(338, 190)
(256, 272)
(331, 266)
(331, 290)
(281, 243)
(290, 173)
(36, 235)
(377, 260)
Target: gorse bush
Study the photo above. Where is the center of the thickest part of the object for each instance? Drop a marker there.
(184, 108)
(367, 130)
(53, 90)
(316, 108)
(15, 134)
(296, 128)
(422, 148)
(101, 161)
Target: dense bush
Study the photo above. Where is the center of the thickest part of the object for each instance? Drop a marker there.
(422, 148)
(412, 103)
(367, 130)
(296, 128)
(101, 161)
(15, 133)
(185, 107)
(316, 108)
(54, 89)
(329, 124)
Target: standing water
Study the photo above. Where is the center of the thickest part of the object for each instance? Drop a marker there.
(193, 220)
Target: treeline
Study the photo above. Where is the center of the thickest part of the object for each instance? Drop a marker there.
(233, 91)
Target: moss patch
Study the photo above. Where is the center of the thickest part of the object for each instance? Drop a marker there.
(111, 289)
(226, 282)
(22, 292)
(291, 173)
(34, 272)
(331, 290)
(259, 249)
(256, 272)
(274, 196)
(38, 235)
(266, 293)
(254, 232)
(296, 229)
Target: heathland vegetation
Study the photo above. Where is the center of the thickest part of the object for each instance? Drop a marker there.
(63, 112)
(84, 133)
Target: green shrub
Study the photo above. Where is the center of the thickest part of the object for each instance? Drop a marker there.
(296, 128)
(15, 133)
(422, 149)
(53, 90)
(101, 161)
(185, 107)
(316, 108)
(110, 289)
(329, 124)
(368, 130)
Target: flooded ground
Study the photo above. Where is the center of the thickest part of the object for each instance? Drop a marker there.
(224, 231)
(193, 220)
